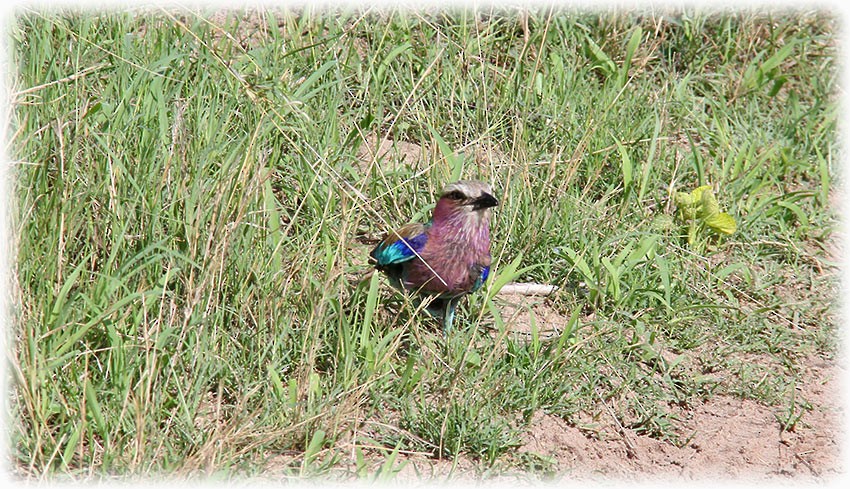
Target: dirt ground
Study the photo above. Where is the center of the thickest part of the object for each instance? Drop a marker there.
(732, 438)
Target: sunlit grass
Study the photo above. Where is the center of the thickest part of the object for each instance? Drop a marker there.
(192, 213)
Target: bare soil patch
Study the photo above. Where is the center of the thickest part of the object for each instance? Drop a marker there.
(727, 437)
(732, 438)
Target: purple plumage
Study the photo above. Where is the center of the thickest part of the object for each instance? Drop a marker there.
(450, 255)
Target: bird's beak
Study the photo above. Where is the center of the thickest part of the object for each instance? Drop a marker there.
(484, 201)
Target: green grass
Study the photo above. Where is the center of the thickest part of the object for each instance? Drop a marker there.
(190, 220)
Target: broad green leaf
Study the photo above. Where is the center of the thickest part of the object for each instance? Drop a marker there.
(631, 47)
(621, 256)
(798, 211)
(388, 469)
(277, 383)
(271, 205)
(70, 280)
(510, 272)
(777, 85)
(382, 66)
(646, 247)
(580, 263)
(708, 205)
(71, 446)
(696, 194)
(473, 358)
(497, 315)
(304, 93)
(568, 334)
(93, 407)
(646, 168)
(729, 269)
(614, 278)
(538, 84)
(292, 394)
(314, 446)
(361, 468)
(722, 223)
(608, 66)
(778, 57)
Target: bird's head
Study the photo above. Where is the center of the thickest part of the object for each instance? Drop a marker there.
(467, 199)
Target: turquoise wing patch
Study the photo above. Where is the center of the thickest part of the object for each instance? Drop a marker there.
(398, 251)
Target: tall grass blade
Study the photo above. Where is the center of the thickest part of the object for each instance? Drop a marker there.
(369, 313)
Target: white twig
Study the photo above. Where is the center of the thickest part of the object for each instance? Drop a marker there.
(527, 289)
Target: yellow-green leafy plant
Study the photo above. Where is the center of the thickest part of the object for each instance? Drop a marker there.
(700, 210)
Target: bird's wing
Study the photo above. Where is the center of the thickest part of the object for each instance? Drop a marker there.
(401, 245)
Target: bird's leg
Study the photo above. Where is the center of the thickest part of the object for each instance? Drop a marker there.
(435, 308)
(449, 316)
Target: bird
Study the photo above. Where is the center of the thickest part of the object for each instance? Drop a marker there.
(446, 257)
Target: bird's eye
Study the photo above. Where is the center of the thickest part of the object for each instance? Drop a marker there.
(455, 195)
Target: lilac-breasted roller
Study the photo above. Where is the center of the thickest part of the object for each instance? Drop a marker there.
(447, 257)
